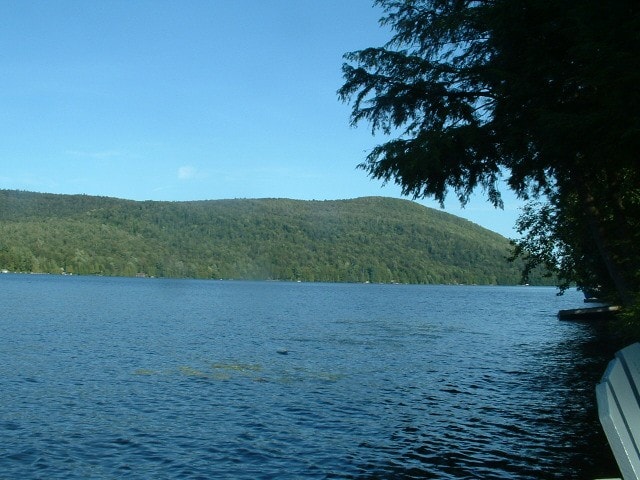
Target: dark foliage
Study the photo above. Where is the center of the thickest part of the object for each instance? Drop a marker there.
(546, 92)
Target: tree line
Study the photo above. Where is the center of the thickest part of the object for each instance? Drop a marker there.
(361, 240)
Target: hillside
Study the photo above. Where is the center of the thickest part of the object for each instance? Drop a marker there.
(366, 239)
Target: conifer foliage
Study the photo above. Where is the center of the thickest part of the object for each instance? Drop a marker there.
(544, 92)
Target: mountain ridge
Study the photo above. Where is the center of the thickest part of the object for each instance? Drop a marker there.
(366, 239)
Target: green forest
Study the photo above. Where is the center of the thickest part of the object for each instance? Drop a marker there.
(371, 239)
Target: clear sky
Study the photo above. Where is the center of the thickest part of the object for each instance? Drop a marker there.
(190, 100)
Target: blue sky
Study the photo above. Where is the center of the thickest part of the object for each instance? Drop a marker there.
(190, 100)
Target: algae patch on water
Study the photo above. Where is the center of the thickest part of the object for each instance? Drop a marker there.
(237, 367)
(215, 371)
(192, 372)
(224, 371)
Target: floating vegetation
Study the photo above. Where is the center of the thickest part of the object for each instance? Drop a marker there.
(223, 371)
(238, 367)
(192, 372)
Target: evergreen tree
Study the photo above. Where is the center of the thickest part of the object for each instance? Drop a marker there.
(543, 91)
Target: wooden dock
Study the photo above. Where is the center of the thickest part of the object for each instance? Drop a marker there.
(589, 314)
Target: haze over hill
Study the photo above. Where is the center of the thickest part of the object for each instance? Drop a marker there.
(371, 239)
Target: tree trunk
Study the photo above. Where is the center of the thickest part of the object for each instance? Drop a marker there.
(600, 237)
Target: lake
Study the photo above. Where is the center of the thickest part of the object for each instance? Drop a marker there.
(108, 378)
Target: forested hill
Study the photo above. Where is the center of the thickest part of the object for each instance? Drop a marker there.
(366, 239)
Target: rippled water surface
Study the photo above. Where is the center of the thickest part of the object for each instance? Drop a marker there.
(143, 378)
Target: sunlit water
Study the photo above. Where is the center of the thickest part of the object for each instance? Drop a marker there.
(143, 378)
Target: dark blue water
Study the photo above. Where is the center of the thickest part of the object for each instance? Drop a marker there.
(143, 378)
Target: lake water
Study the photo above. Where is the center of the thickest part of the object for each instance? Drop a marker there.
(150, 378)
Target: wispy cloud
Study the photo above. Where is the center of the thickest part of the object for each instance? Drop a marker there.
(187, 172)
(97, 155)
